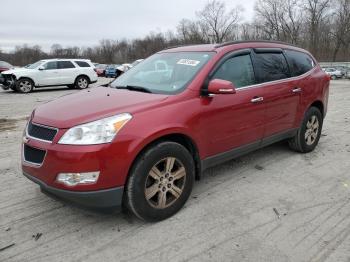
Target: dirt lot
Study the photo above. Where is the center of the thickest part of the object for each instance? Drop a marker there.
(270, 205)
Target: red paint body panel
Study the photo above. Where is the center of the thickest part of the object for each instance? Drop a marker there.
(214, 124)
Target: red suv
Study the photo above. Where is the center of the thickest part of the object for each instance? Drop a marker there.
(142, 141)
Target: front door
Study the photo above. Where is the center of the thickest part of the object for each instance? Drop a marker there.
(234, 121)
(49, 75)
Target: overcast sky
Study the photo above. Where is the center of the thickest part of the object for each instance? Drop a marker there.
(85, 22)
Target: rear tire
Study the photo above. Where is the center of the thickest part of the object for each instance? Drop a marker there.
(160, 181)
(24, 85)
(309, 132)
(82, 82)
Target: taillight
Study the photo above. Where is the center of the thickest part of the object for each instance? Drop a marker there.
(95, 70)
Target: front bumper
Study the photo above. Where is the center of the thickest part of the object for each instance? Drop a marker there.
(107, 198)
(7, 81)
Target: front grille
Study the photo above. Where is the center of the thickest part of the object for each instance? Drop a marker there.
(41, 132)
(33, 155)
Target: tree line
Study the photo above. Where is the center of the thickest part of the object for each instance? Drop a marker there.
(320, 26)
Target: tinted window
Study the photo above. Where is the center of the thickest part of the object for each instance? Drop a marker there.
(271, 66)
(238, 70)
(50, 65)
(299, 62)
(65, 64)
(82, 64)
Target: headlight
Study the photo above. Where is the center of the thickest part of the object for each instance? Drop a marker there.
(97, 132)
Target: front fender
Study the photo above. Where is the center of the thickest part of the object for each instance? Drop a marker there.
(139, 144)
(19, 76)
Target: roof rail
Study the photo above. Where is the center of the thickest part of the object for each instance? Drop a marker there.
(176, 46)
(252, 41)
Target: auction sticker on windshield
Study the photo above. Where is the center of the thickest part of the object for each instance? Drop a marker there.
(188, 62)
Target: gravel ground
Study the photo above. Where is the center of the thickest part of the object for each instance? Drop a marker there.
(270, 205)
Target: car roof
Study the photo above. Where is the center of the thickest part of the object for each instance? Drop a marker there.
(238, 44)
(65, 59)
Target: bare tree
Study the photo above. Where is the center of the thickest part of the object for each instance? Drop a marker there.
(341, 27)
(190, 32)
(218, 24)
(280, 20)
(317, 11)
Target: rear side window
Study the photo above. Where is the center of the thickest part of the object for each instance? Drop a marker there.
(82, 64)
(238, 70)
(65, 64)
(299, 62)
(50, 65)
(271, 67)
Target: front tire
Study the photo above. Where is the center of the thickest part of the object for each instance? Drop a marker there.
(82, 82)
(309, 132)
(160, 181)
(24, 85)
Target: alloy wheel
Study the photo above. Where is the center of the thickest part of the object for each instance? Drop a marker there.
(312, 129)
(82, 83)
(165, 183)
(25, 86)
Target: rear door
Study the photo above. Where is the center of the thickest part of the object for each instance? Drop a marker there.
(281, 92)
(234, 120)
(67, 72)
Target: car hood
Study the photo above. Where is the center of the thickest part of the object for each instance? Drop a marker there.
(17, 70)
(93, 104)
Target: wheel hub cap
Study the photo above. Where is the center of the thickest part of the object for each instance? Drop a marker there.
(165, 183)
(312, 129)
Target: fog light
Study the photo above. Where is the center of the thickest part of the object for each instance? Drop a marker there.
(73, 179)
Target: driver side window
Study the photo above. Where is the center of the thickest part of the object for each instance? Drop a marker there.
(50, 65)
(238, 70)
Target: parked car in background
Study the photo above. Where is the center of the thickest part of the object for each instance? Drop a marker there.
(347, 75)
(111, 71)
(342, 69)
(100, 69)
(333, 73)
(74, 73)
(143, 141)
(4, 66)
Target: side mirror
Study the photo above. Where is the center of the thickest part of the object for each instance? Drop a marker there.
(219, 86)
(41, 68)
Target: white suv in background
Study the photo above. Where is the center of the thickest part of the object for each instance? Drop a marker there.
(74, 73)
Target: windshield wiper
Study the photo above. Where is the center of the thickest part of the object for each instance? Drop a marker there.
(135, 88)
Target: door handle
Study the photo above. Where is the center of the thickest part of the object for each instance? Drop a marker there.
(296, 90)
(257, 99)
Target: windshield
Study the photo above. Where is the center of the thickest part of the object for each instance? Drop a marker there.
(35, 65)
(164, 73)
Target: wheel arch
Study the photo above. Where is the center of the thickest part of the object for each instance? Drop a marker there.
(25, 77)
(84, 76)
(179, 138)
(318, 104)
